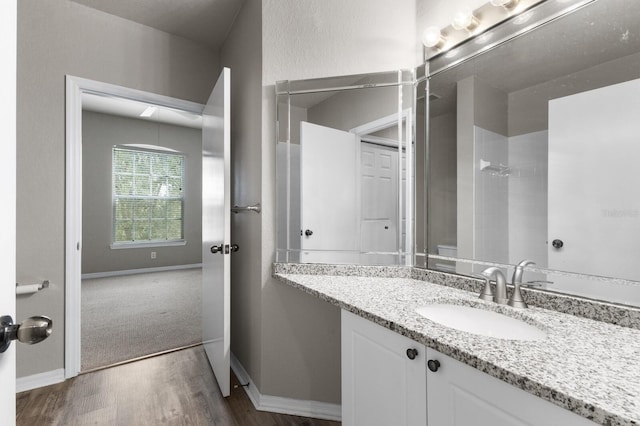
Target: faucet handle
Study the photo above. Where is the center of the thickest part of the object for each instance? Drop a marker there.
(500, 295)
(516, 300)
(487, 292)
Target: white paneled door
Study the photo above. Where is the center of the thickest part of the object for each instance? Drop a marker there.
(8, 28)
(379, 192)
(216, 246)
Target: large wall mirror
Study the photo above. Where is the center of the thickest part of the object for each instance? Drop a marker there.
(345, 169)
(534, 150)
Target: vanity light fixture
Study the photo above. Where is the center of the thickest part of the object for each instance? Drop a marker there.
(464, 20)
(507, 4)
(432, 38)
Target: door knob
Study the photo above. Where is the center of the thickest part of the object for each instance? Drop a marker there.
(30, 331)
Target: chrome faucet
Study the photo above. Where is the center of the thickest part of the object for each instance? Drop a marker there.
(500, 295)
(516, 300)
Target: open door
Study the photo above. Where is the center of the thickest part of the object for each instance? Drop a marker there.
(8, 34)
(330, 209)
(593, 218)
(216, 248)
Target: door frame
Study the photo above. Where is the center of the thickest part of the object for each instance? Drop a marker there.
(75, 87)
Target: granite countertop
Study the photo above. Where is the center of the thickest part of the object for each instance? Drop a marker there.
(589, 367)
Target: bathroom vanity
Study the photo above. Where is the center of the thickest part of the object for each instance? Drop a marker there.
(580, 372)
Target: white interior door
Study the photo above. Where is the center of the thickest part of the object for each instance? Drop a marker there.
(330, 216)
(8, 28)
(379, 191)
(216, 144)
(593, 207)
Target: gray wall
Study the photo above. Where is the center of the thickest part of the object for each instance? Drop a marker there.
(55, 38)
(529, 108)
(352, 108)
(482, 105)
(242, 53)
(286, 340)
(100, 132)
(442, 203)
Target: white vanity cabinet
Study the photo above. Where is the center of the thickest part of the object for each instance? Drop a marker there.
(458, 395)
(389, 379)
(382, 383)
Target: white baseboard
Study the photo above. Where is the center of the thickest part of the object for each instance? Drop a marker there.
(39, 380)
(277, 404)
(139, 271)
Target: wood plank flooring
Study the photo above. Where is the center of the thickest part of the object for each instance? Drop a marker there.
(172, 389)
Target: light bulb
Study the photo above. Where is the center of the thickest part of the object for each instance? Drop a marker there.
(464, 20)
(432, 37)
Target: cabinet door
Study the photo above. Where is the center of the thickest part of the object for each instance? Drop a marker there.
(381, 385)
(460, 395)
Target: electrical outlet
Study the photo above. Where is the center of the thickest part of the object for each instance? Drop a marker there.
(153, 254)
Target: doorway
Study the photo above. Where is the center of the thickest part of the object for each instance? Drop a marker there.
(122, 280)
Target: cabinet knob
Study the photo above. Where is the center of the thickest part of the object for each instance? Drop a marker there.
(412, 353)
(557, 244)
(433, 365)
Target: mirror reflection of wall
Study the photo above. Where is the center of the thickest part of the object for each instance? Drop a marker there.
(342, 155)
(534, 142)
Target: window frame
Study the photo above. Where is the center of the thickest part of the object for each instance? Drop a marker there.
(152, 149)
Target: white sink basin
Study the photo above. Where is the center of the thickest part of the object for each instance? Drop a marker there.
(480, 321)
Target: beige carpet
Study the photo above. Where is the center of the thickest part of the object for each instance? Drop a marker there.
(130, 316)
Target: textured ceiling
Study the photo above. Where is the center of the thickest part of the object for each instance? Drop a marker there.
(204, 21)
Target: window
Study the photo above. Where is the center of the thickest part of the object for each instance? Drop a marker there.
(148, 196)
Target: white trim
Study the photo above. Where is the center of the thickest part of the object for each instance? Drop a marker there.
(139, 271)
(39, 380)
(277, 404)
(73, 221)
(381, 123)
(75, 86)
(112, 90)
(138, 244)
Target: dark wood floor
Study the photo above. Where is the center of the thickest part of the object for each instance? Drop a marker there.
(172, 389)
